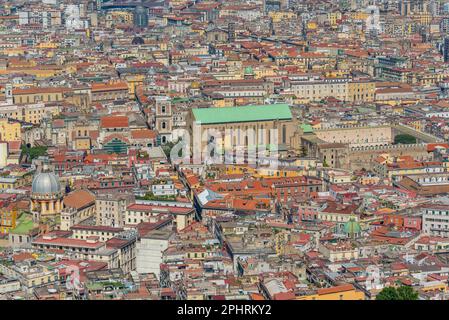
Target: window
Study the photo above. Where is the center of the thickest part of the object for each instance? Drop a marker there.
(284, 134)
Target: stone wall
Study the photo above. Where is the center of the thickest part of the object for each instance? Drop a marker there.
(363, 157)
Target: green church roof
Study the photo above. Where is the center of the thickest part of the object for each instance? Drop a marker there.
(307, 128)
(352, 227)
(251, 113)
(249, 71)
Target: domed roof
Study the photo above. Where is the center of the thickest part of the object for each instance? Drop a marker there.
(137, 40)
(141, 9)
(352, 227)
(249, 70)
(45, 182)
(195, 85)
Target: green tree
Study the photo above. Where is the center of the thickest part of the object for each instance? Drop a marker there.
(33, 152)
(404, 139)
(401, 293)
(167, 148)
(407, 293)
(388, 293)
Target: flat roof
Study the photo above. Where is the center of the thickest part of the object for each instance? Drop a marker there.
(251, 113)
(158, 234)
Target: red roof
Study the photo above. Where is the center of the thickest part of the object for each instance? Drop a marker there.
(68, 242)
(109, 86)
(432, 146)
(163, 209)
(143, 134)
(342, 288)
(114, 122)
(284, 296)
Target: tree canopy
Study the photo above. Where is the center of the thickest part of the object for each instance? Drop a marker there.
(33, 152)
(404, 139)
(401, 293)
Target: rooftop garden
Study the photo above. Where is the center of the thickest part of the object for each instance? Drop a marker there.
(24, 224)
(151, 197)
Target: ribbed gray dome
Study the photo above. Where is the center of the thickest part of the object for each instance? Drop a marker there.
(45, 182)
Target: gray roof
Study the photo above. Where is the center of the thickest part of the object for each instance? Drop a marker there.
(208, 195)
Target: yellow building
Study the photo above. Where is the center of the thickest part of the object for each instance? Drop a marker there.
(30, 279)
(194, 294)
(279, 16)
(336, 73)
(264, 70)
(38, 94)
(10, 131)
(359, 15)
(434, 286)
(133, 81)
(312, 25)
(423, 18)
(47, 45)
(361, 91)
(369, 180)
(13, 52)
(32, 113)
(38, 72)
(343, 292)
(333, 17)
(425, 78)
(418, 125)
(82, 143)
(261, 172)
(342, 251)
(281, 239)
(357, 90)
(280, 172)
(220, 103)
(8, 218)
(119, 17)
(10, 183)
(199, 30)
(239, 169)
